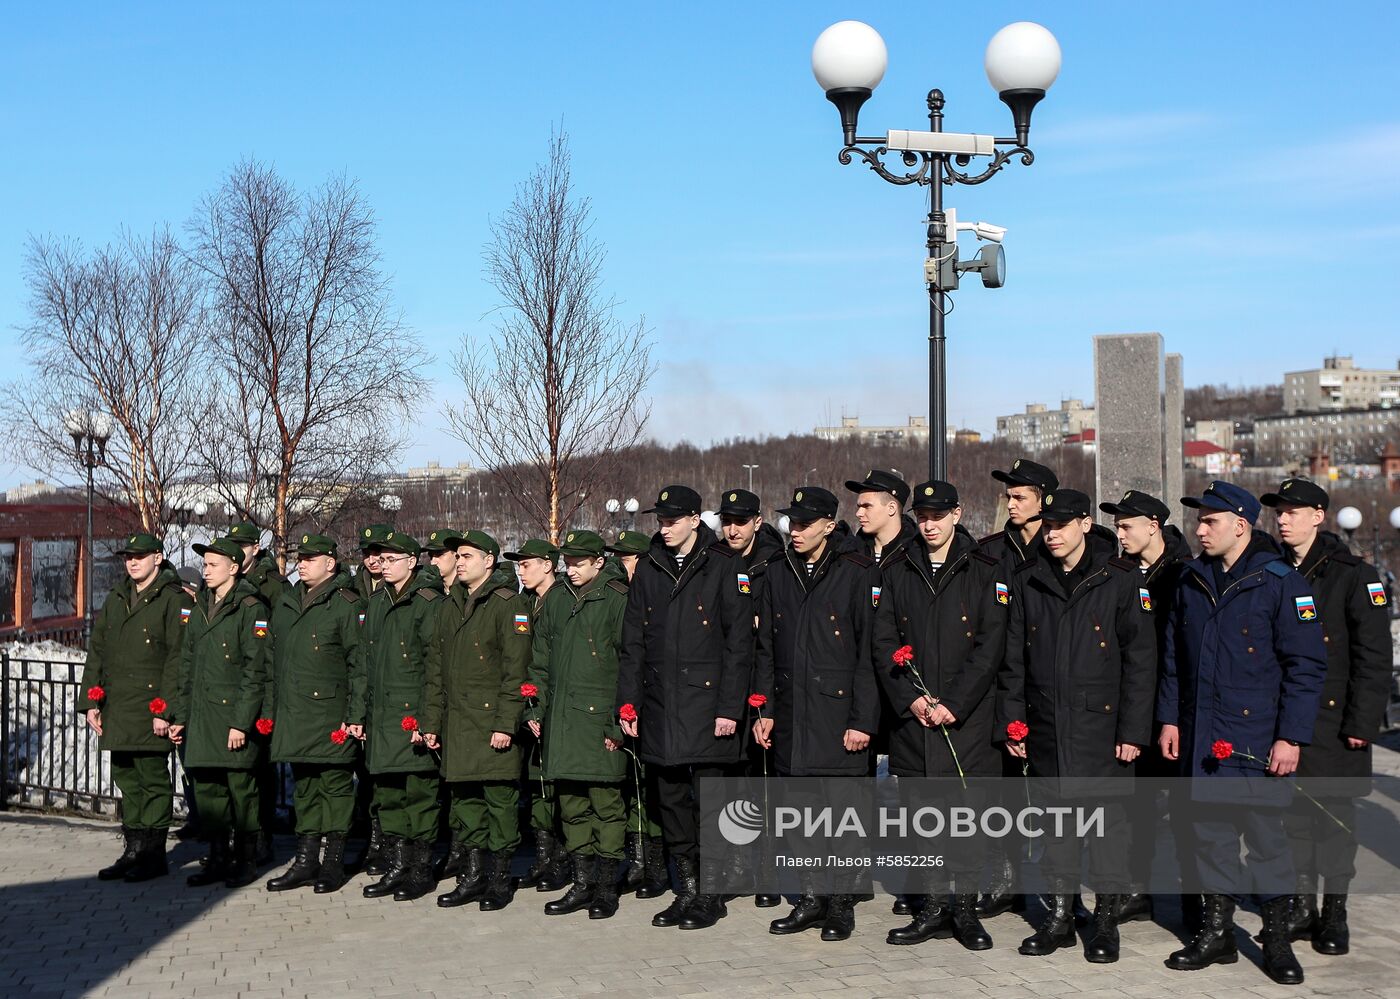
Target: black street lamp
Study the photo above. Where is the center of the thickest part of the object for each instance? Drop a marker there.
(90, 432)
(1022, 61)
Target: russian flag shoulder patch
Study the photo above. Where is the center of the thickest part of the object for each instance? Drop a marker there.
(1376, 592)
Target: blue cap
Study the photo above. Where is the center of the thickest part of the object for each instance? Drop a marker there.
(1228, 497)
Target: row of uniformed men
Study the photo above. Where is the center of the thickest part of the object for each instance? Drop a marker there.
(686, 643)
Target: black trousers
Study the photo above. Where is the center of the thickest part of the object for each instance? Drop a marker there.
(679, 807)
(1217, 830)
(1321, 847)
(1108, 853)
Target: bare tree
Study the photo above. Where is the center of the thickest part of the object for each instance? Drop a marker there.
(557, 390)
(116, 332)
(315, 375)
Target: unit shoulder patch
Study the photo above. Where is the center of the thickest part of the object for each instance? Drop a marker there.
(1306, 608)
(744, 585)
(1375, 592)
(1003, 592)
(1145, 598)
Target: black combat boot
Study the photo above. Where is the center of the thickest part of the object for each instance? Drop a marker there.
(1102, 947)
(656, 881)
(687, 891)
(559, 871)
(1192, 913)
(471, 883)
(967, 927)
(1280, 964)
(500, 889)
(377, 856)
(840, 921)
(131, 849)
(907, 904)
(1332, 937)
(999, 897)
(244, 868)
(580, 893)
(1301, 921)
(305, 866)
(216, 864)
(604, 889)
(150, 857)
(1214, 942)
(809, 911)
(262, 848)
(932, 921)
(394, 850)
(332, 876)
(418, 878)
(1056, 931)
(1135, 907)
(704, 912)
(454, 863)
(544, 856)
(635, 853)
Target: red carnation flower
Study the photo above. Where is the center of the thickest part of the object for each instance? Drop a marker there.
(627, 713)
(96, 694)
(529, 690)
(409, 723)
(264, 726)
(339, 736)
(158, 705)
(1017, 730)
(903, 656)
(1221, 749)
(757, 700)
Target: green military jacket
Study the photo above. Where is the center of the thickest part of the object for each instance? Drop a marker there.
(134, 657)
(315, 664)
(223, 673)
(574, 663)
(364, 585)
(397, 646)
(267, 579)
(474, 688)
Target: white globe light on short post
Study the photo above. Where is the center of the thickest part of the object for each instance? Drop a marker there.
(1395, 518)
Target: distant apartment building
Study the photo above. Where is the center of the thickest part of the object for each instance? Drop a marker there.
(1340, 385)
(1040, 427)
(913, 432)
(1221, 433)
(435, 471)
(1349, 436)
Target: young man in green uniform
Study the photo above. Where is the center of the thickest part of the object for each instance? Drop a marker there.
(315, 663)
(133, 666)
(535, 565)
(471, 710)
(397, 647)
(368, 578)
(223, 674)
(574, 667)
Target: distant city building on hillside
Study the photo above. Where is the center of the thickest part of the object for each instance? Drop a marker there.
(1349, 436)
(435, 472)
(1040, 427)
(966, 435)
(1221, 433)
(30, 490)
(1340, 385)
(913, 432)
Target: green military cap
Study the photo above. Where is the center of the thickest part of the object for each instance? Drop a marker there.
(226, 547)
(397, 541)
(534, 548)
(630, 543)
(141, 544)
(245, 534)
(373, 534)
(482, 540)
(443, 540)
(584, 543)
(315, 544)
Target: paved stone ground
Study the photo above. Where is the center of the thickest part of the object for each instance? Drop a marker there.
(63, 933)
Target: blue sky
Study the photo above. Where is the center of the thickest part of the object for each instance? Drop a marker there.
(1225, 174)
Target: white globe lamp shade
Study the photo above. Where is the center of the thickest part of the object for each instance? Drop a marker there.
(1348, 518)
(849, 54)
(612, 506)
(1022, 56)
(632, 506)
(1395, 518)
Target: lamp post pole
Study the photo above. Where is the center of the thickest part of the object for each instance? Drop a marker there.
(90, 432)
(1022, 61)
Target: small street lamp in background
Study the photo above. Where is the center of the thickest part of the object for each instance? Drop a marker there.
(391, 504)
(90, 430)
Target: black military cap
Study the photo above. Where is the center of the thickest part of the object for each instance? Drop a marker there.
(934, 495)
(811, 503)
(740, 503)
(879, 481)
(443, 540)
(1065, 504)
(1299, 492)
(141, 544)
(1025, 472)
(1138, 504)
(315, 544)
(631, 543)
(534, 548)
(676, 501)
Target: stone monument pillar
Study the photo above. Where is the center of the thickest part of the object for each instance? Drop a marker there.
(1173, 434)
(1128, 398)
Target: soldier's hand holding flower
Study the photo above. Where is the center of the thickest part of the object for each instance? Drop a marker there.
(94, 719)
(940, 715)
(177, 734)
(356, 731)
(534, 727)
(921, 708)
(763, 732)
(1283, 758)
(430, 739)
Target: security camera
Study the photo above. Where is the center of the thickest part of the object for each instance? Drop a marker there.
(984, 230)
